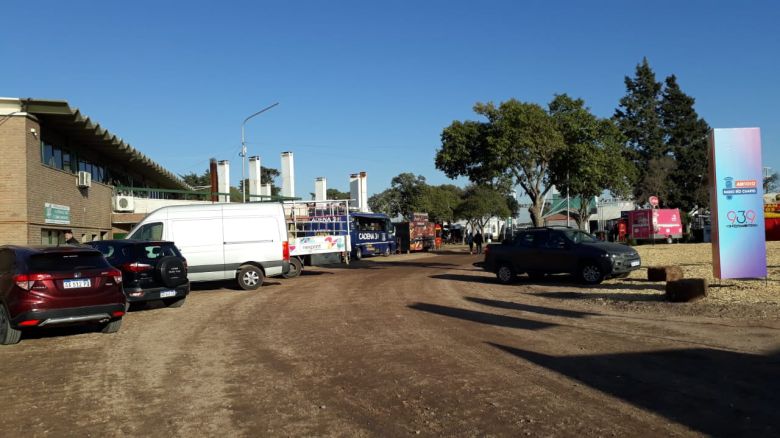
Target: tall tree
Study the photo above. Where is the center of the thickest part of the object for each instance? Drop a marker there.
(686, 138)
(386, 202)
(197, 180)
(639, 119)
(517, 139)
(442, 201)
(480, 203)
(594, 159)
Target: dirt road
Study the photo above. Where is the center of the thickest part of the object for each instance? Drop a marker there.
(397, 346)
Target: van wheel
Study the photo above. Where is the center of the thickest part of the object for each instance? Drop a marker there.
(249, 277)
(505, 274)
(295, 268)
(669, 239)
(8, 334)
(358, 254)
(590, 273)
(386, 252)
(112, 327)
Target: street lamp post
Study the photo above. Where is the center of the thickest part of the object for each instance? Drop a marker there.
(243, 151)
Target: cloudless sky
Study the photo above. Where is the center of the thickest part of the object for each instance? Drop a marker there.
(370, 85)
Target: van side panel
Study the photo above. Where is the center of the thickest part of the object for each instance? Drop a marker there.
(252, 239)
(200, 241)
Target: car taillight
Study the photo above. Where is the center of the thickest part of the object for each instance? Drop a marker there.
(116, 274)
(137, 267)
(117, 313)
(27, 281)
(286, 251)
(29, 323)
(184, 262)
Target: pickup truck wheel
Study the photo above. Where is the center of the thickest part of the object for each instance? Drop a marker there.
(249, 277)
(295, 268)
(590, 273)
(505, 274)
(8, 334)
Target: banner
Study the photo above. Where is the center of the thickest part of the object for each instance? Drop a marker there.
(737, 203)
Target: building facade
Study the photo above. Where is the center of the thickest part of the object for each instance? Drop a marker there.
(60, 172)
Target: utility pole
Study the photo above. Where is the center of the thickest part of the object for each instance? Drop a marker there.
(243, 151)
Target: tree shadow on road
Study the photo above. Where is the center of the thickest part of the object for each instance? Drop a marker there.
(529, 308)
(617, 296)
(466, 278)
(482, 317)
(720, 393)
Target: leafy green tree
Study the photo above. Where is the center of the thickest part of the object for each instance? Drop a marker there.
(441, 201)
(337, 194)
(386, 202)
(518, 140)
(480, 203)
(594, 159)
(639, 119)
(686, 138)
(195, 180)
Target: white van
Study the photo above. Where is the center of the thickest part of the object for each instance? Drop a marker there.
(242, 242)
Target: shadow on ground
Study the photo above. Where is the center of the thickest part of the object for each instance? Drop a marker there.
(482, 317)
(554, 280)
(719, 393)
(529, 308)
(615, 296)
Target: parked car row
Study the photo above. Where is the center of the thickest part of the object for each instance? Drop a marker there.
(69, 285)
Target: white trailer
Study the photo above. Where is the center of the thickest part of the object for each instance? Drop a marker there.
(316, 228)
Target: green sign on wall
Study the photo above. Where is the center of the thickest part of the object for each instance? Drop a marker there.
(56, 214)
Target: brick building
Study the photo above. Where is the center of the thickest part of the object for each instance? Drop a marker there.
(59, 172)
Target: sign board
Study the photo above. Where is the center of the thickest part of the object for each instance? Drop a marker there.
(317, 245)
(653, 201)
(56, 214)
(738, 239)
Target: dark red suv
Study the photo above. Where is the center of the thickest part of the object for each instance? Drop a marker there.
(53, 286)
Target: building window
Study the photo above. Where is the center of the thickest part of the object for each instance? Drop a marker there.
(52, 237)
(66, 161)
(47, 155)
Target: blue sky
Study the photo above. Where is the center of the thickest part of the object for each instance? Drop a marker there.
(370, 85)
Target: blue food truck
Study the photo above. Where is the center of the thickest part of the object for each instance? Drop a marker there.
(371, 234)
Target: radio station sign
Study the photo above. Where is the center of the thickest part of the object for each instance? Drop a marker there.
(738, 239)
(56, 214)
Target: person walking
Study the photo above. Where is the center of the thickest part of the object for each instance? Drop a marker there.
(470, 242)
(478, 242)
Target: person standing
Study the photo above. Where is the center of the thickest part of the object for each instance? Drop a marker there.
(470, 242)
(478, 241)
(69, 239)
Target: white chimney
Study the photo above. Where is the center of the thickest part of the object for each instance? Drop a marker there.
(223, 179)
(354, 191)
(265, 190)
(254, 179)
(320, 189)
(288, 174)
(363, 191)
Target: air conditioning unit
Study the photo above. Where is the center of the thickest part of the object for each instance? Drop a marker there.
(85, 179)
(124, 203)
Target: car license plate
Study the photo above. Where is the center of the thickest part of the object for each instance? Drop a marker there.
(75, 284)
(167, 293)
(635, 263)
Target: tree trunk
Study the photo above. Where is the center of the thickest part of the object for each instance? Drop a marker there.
(536, 211)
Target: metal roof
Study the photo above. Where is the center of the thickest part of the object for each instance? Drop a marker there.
(59, 115)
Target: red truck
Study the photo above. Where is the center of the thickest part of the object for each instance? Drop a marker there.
(653, 224)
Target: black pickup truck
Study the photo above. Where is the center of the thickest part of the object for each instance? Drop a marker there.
(541, 251)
